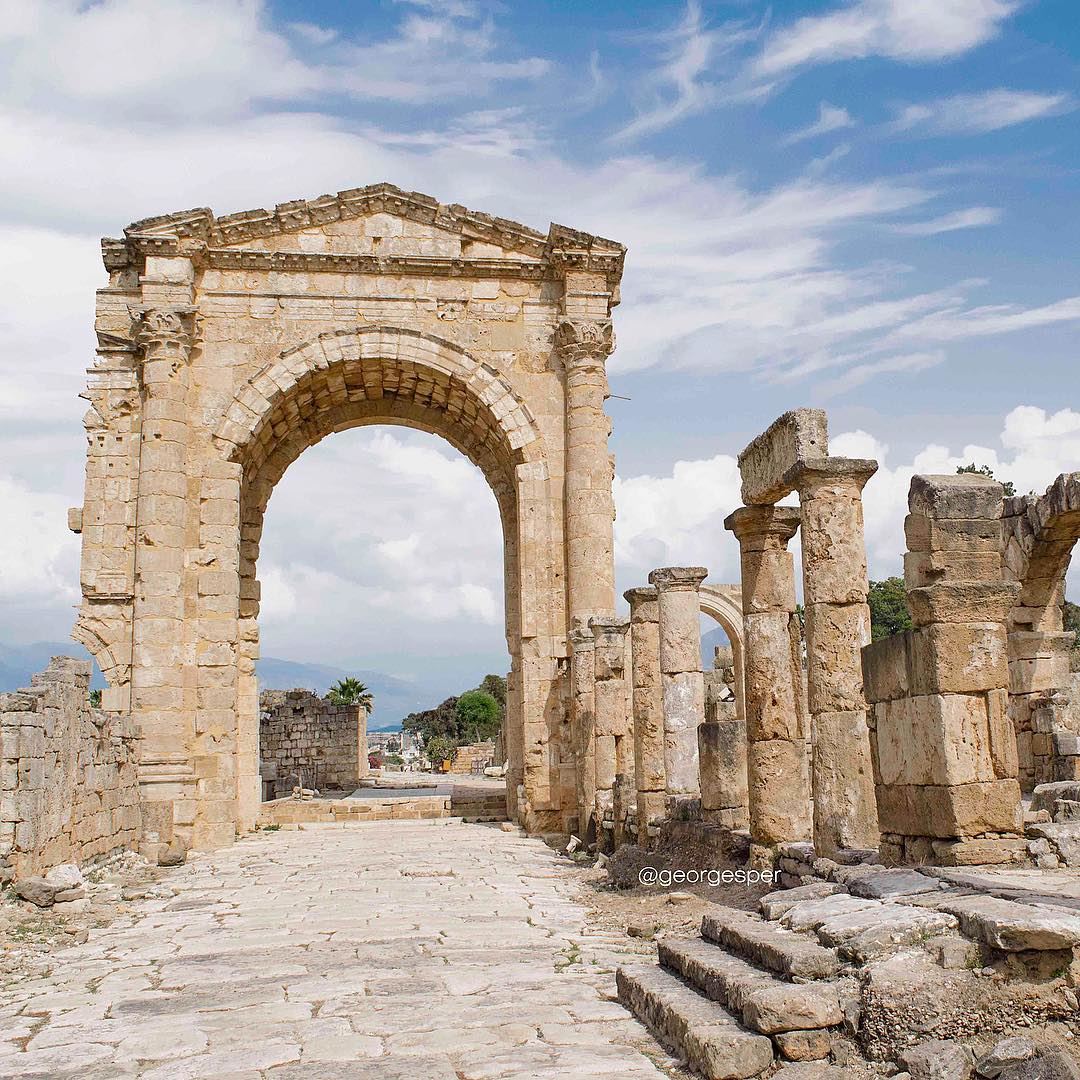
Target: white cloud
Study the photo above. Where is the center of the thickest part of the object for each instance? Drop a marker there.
(916, 31)
(830, 118)
(1035, 447)
(977, 114)
(38, 556)
(972, 218)
(677, 520)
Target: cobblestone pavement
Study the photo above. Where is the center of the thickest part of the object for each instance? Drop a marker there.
(386, 951)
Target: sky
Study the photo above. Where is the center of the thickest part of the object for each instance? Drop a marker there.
(867, 206)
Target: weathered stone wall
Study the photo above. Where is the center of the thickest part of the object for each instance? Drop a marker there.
(302, 735)
(944, 753)
(473, 757)
(68, 778)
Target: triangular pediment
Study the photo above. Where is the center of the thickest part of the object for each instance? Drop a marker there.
(379, 220)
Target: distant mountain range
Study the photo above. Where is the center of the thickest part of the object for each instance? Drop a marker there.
(394, 698)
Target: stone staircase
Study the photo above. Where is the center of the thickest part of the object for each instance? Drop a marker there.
(745, 991)
(784, 983)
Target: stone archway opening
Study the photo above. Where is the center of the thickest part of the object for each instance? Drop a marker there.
(356, 379)
(381, 560)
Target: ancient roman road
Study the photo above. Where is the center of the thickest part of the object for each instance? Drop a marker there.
(381, 951)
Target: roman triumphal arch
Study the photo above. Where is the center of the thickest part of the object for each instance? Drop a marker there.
(226, 347)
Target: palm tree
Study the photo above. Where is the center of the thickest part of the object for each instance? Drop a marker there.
(350, 692)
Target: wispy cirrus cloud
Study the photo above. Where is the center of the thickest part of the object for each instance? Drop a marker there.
(830, 118)
(977, 114)
(972, 218)
(915, 31)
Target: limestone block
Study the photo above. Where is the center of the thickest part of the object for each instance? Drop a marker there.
(768, 581)
(934, 739)
(722, 757)
(648, 738)
(778, 792)
(612, 707)
(605, 762)
(684, 701)
(960, 495)
(833, 551)
(835, 636)
(772, 706)
(843, 783)
(962, 601)
(967, 810)
(1003, 746)
(886, 667)
(922, 568)
(958, 658)
(765, 463)
(952, 534)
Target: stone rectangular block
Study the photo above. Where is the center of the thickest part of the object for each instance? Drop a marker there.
(964, 811)
(952, 534)
(922, 568)
(962, 601)
(765, 463)
(835, 636)
(722, 758)
(959, 495)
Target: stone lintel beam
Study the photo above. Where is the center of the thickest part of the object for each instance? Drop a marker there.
(766, 462)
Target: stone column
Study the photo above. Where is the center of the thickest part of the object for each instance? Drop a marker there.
(614, 746)
(584, 345)
(681, 679)
(162, 699)
(777, 773)
(583, 691)
(647, 708)
(835, 587)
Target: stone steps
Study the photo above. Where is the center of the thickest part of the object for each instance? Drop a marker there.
(769, 946)
(706, 1035)
(764, 1002)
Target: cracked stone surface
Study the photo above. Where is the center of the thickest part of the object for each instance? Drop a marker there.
(384, 950)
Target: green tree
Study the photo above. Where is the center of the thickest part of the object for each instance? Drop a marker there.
(350, 691)
(888, 608)
(429, 723)
(479, 716)
(985, 470)
(95, 699)
(439, 748)
(495, 685)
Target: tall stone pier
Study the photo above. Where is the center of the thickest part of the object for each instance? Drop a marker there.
(835, 587)
(681, 679)
(777, 768)
(647, 707)
(613, 739)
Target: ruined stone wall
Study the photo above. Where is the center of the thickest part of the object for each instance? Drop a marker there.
(473, 758)
(68, 777)
(302, 735)
(944, 753)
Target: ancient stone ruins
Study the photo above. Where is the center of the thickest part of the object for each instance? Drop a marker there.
(229, 345)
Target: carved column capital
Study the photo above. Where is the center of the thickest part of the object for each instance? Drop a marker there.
(160, 330)
(584, 341)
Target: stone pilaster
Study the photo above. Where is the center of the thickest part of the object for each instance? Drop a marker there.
(584, 345)
(583, 715)
(647, 708)
(835, 587)
(777, 772)
(162, 699)
(681, 679)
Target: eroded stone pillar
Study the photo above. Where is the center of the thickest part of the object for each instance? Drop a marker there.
(722, 753)
(583, 706)
(647, 708)
(835, 587)
(614, 742)
(681, 680)
(777, 771)
(584, 345)
(163, 699)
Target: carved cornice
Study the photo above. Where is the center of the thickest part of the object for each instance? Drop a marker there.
(584, 339)
(419, 265)
(198, 233)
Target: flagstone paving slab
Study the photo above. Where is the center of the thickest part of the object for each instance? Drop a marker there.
(360, 952)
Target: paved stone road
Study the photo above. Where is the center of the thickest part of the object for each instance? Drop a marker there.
(390, 950)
